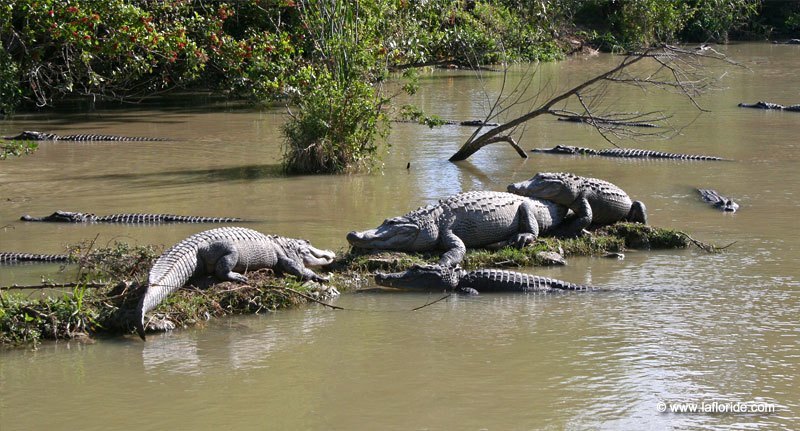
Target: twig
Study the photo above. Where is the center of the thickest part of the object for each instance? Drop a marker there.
(431, 303)
(311, 298)
(708, 248)
(54, 286)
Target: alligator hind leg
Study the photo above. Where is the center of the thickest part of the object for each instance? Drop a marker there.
(227, 258)
(638, 213)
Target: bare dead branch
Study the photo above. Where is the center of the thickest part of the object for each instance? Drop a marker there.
(671, 69)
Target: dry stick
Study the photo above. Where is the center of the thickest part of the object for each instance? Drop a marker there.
(703, 246)
(54, 286)
(310, 298)
(431, 303)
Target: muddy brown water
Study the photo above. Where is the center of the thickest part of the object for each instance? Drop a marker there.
(678, 325)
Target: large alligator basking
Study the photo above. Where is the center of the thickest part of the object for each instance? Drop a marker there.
(471, 219)
(718, 201)
(226, 252)
(770, 105)
(622, 152)
(132, 218)
(436, 277)
(13, 257)
(32, 135)
(594, 202)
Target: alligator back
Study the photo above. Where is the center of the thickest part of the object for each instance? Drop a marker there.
(633, 153)
(11, 257)
(642, 154)
(32, 135)
(130, 218)
(484, 217)
(496, 280)
(142, 218)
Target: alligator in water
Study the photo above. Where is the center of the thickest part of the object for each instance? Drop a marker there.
(787, 42)
(597, 120)
(12, 257)
(31, 135)
(595, 202)
(622, 152)
(718, 201)
(471, 219)
(225, 252)
(436, 277)
(771, 106)
(135, 218)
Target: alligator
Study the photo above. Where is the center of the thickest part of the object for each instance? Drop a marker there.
(718, 201)
(594, 202)
(770, 105)
(436, 277)
(598, 120)
(13, 257)
(622, 152)
(135, 218)
(225, 252)
(471, 219)
(787, 42)
(31, 135)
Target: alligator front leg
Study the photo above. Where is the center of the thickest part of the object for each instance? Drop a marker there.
(528, 225)
(455, 248)
(291, 266)
(581, 221)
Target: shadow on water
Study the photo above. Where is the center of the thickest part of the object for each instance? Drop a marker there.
(194, 176)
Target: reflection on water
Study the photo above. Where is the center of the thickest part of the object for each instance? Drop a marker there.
(674, 326)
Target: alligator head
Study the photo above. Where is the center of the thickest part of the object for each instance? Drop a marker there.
(727, 205)
(397, 233)
(62, 217)
(30, 135)
(560, 188)
(433, 277)
(311, 255)
(558, 149)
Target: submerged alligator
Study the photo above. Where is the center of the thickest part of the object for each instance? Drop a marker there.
(32, 135)
(225, 252)
(132, 218)
(718, 201)
(770, 105)
(597, 120)
(12, 257)
(622, 152)
(594, 202)
(436, 277)
(471, 219)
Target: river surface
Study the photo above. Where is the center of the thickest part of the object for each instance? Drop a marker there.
(678, 326)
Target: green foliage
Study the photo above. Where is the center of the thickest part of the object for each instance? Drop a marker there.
(713, 20)
(121, 261)
(339, 110)
(17, 148)
(629, 24)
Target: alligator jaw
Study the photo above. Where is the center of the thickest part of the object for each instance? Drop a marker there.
(385, 236)
(318, 257)
(537, 186)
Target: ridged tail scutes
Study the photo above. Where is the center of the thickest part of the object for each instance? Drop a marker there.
(171, 271)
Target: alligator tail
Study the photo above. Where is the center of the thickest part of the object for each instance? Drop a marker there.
(171, 271)
(12, 257)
